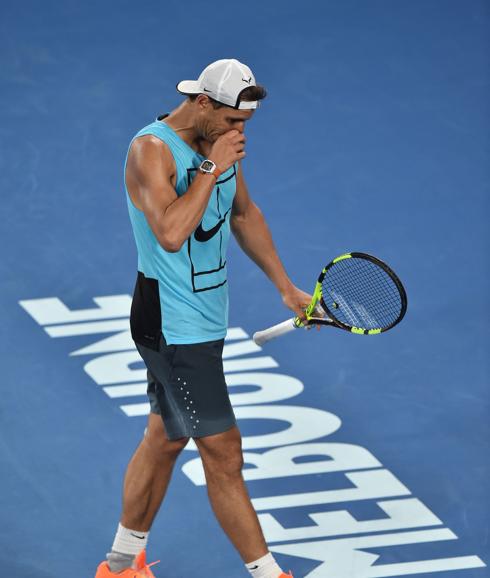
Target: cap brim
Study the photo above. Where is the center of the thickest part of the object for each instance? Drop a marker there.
(189, 87)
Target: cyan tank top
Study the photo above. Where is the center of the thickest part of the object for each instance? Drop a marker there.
(191, 283)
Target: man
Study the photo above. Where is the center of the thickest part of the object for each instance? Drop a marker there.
(185, 191)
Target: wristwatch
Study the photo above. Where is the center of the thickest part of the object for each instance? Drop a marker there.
(210, 168)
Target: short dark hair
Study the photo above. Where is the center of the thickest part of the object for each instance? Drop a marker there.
(248, 94)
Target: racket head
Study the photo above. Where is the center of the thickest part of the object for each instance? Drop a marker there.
(361, 294)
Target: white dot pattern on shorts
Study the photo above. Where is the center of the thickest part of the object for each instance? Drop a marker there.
(186, 394)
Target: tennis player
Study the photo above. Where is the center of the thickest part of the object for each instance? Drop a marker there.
(185, 191)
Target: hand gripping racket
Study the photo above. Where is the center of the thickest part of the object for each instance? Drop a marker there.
(356, 292)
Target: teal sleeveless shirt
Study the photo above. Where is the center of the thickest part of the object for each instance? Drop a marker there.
(191, 283)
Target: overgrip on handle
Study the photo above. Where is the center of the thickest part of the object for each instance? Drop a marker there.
(261, 337)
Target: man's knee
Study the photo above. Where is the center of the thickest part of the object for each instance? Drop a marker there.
(221, 454)
(157, 440)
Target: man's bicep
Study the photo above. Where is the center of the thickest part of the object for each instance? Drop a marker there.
(150, 173)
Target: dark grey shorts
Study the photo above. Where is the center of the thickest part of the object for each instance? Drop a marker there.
(187, 387)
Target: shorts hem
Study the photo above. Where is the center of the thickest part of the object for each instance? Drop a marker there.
(211, 431)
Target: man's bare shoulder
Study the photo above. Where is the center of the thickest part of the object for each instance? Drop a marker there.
(148, 144)
(148, 150)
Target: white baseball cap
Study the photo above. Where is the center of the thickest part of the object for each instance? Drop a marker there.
(224, 81)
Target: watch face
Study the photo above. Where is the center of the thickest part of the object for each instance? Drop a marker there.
(207, 166)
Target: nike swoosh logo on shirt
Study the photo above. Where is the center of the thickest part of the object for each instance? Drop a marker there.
(202, 235)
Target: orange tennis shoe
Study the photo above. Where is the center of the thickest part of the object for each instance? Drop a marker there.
(142, 569)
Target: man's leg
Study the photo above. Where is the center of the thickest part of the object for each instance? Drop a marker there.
(222, 459)
(145, 484)
(148, 475)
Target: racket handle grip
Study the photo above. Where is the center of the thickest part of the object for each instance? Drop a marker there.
(261, 337)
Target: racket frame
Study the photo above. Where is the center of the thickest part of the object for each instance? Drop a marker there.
(330, 319)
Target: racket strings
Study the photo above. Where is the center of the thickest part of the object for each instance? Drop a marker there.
(370, 297)
(362, 294)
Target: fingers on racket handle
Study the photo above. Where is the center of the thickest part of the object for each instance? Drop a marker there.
(261, 337)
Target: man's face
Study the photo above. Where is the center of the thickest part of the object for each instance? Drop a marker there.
(213, 122)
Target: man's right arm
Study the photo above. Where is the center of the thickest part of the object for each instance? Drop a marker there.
(149, 174)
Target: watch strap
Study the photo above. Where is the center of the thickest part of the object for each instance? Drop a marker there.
(216, 172)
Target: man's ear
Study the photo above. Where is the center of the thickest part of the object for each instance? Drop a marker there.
(202, 101)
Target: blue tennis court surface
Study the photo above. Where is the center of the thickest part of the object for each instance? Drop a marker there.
(366, 456)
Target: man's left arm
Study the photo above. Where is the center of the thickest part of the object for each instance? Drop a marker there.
(254, 237)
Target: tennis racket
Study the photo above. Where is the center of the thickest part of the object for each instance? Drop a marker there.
(356, 292)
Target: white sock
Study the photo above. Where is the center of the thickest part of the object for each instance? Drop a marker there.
(265, 567)
(129, 542)
(119, 562)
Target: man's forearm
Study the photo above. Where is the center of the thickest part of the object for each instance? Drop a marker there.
(182, 216)
(254, 237)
